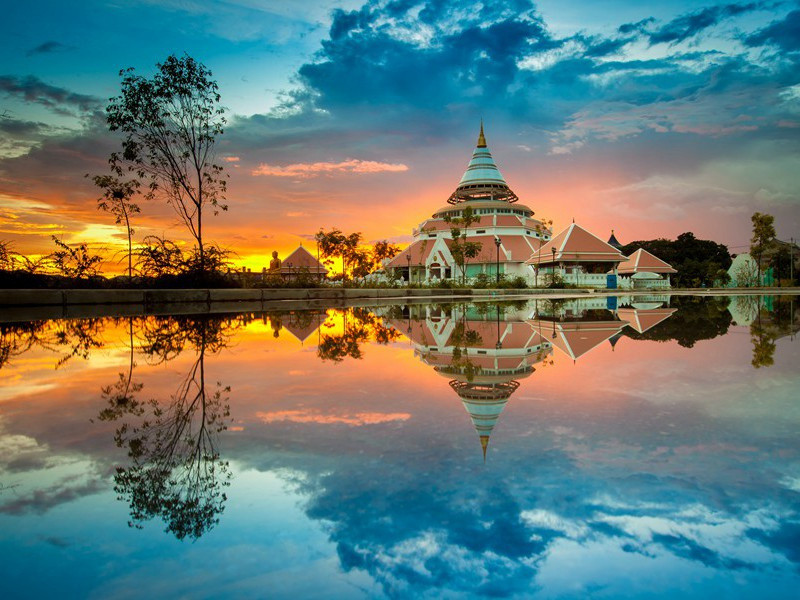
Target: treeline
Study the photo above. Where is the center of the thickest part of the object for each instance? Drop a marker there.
(700, 263)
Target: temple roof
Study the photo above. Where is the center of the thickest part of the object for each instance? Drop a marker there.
(575, 244)
(302, 259)
(642, 261)
(613, 241)
(482, 180)
(642, 320)
(576, 338)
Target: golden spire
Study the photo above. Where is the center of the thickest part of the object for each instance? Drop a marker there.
(484, 444)
(481, 138)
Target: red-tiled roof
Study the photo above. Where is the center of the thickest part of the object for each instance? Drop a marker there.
(642, 320)
(301, 259)
(576, 338)
(642, 261)
(418, 251)
(575, 244)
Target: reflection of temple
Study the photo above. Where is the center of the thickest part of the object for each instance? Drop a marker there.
(578, 326)
(484, 351)
(301, 324)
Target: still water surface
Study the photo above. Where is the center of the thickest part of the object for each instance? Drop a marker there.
(616, 448)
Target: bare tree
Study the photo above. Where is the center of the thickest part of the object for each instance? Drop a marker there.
(116, 199)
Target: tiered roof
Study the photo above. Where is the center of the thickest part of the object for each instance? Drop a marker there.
(613, 241)
(642, 261)
(482, 180)
(575, 244)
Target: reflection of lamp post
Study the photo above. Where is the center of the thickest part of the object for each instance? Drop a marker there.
(497, 243)
(408, 262)
(499, 343)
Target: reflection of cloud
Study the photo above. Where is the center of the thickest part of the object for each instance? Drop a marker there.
(39, 501)
(354, 419)
(351, 165)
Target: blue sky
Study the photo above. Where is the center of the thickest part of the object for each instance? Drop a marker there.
(652, 119)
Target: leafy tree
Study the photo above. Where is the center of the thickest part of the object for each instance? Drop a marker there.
(383, 250)
(170, 123)
(763, 237)
(75, 263)
(331, 244)
(158, 257)
(116, 199)
(461, 249)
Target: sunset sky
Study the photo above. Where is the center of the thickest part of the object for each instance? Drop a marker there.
(648, 118)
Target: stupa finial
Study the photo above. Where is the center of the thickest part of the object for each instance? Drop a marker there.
(484, 445)
(481, 137)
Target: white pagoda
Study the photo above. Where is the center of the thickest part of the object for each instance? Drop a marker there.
(506, 230)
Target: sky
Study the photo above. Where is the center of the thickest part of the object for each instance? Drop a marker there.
(651, 119)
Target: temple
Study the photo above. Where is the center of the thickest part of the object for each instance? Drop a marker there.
(505, 229)
(644, 270)
(577, 257)
(483, 352)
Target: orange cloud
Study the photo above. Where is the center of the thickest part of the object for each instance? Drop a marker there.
(351, 165)
(354, 420)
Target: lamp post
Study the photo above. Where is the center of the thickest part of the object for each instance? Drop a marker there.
(553, 250)
(497, 243)
(408, 262)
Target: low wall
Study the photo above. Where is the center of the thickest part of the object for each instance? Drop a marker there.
(27, 305)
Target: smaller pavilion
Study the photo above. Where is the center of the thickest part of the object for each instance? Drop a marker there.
(578, 257)
(643, 270)
(301, 262)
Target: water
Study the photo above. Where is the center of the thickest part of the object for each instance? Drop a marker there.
(641, 451)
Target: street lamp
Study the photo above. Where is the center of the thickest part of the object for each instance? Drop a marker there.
(497, 243)
(408, 262)
(553, 250)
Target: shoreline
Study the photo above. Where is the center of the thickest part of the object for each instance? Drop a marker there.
(28, 305)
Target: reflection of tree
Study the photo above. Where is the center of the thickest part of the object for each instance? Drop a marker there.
(17, 338)
(696, 319)
(774, 320)
(78, 336)
(120, 397)
(175, 471)
(359, 327)
(164, 338)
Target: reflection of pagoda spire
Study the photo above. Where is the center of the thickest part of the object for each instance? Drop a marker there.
(484, 403)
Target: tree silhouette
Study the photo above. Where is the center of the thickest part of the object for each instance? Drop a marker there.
(175, 471)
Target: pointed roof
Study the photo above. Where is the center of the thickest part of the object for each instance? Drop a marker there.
(576, 338)
(302, 259)
(575, 244)
(303, 330)
(642, 320)
(642, 261)
(484, 404)
(482, 180)
(613, 241)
